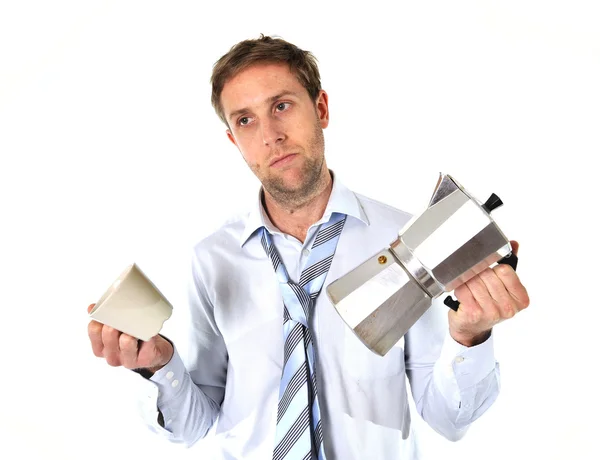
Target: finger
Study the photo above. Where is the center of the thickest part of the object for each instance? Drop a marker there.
(469, 307)
(513, 285)
(484, 299)
(503, 301)
(110, 338)
(515, 247)
(129, 351)
(95, 334)
(90, 308)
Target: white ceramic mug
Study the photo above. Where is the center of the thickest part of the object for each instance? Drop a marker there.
(133, 305)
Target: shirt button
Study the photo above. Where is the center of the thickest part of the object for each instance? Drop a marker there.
(170, 375)
(174, 383)
(306, 252)
(459, 359)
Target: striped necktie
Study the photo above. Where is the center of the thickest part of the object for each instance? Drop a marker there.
(299, 434)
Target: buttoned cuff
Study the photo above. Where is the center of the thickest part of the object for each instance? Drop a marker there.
(168, 378)
(163, 386)
(470, 364)
(460, 368)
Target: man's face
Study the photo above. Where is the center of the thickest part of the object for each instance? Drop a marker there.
(278, 129)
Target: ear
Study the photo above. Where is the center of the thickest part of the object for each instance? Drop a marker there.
(231, 138)
(322, 106)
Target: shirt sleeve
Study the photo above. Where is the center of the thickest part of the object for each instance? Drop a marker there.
(452, 385)
(186, 394)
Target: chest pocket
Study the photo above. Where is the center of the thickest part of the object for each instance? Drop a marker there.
(362, 363)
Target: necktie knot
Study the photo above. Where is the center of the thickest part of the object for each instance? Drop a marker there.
(303, 298)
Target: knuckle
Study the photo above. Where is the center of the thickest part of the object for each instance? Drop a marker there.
(110, 336)
(127, 342)
(474, 316)
(113, 360)
(495, 316)
(129, 364)
(503, 270)
(508, 310)
(94, 329)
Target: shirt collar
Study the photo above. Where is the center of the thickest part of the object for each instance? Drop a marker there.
(341, 200)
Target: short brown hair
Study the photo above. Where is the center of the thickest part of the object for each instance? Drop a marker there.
(262, 50)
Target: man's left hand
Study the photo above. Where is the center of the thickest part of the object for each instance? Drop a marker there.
(492, 296)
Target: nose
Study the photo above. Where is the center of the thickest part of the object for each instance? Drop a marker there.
(272, 132)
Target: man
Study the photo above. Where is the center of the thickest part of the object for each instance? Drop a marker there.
(266, 357)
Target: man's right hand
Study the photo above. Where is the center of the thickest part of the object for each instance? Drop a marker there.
(120, 349)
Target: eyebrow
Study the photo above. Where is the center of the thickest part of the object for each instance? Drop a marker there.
(270, 100)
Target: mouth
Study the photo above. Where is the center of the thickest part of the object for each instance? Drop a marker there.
(282, 160)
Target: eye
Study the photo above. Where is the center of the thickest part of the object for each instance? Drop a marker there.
(282, 106)
(243, 121)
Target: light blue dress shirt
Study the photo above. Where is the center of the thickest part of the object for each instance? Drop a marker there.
(227, 364)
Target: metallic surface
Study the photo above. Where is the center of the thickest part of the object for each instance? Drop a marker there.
(454, 239)
(376, 301)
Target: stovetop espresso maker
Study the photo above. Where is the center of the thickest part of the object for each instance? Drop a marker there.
(454, 239)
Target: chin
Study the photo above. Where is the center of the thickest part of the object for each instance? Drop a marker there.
(278, 186)
(293, 177)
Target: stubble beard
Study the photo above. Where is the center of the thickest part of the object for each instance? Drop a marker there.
(311, 174)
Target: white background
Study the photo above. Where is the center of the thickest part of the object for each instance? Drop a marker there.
(111, 153)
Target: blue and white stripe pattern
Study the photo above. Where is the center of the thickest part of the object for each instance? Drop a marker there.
(299, 435)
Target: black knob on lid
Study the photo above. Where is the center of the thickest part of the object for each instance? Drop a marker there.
(492, 203)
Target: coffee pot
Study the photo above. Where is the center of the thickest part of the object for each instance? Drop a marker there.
(454, 239)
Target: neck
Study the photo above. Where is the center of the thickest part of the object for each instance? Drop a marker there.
(295, 219)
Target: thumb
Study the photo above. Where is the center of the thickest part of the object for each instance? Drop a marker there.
(515, 247)
(91, 307)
